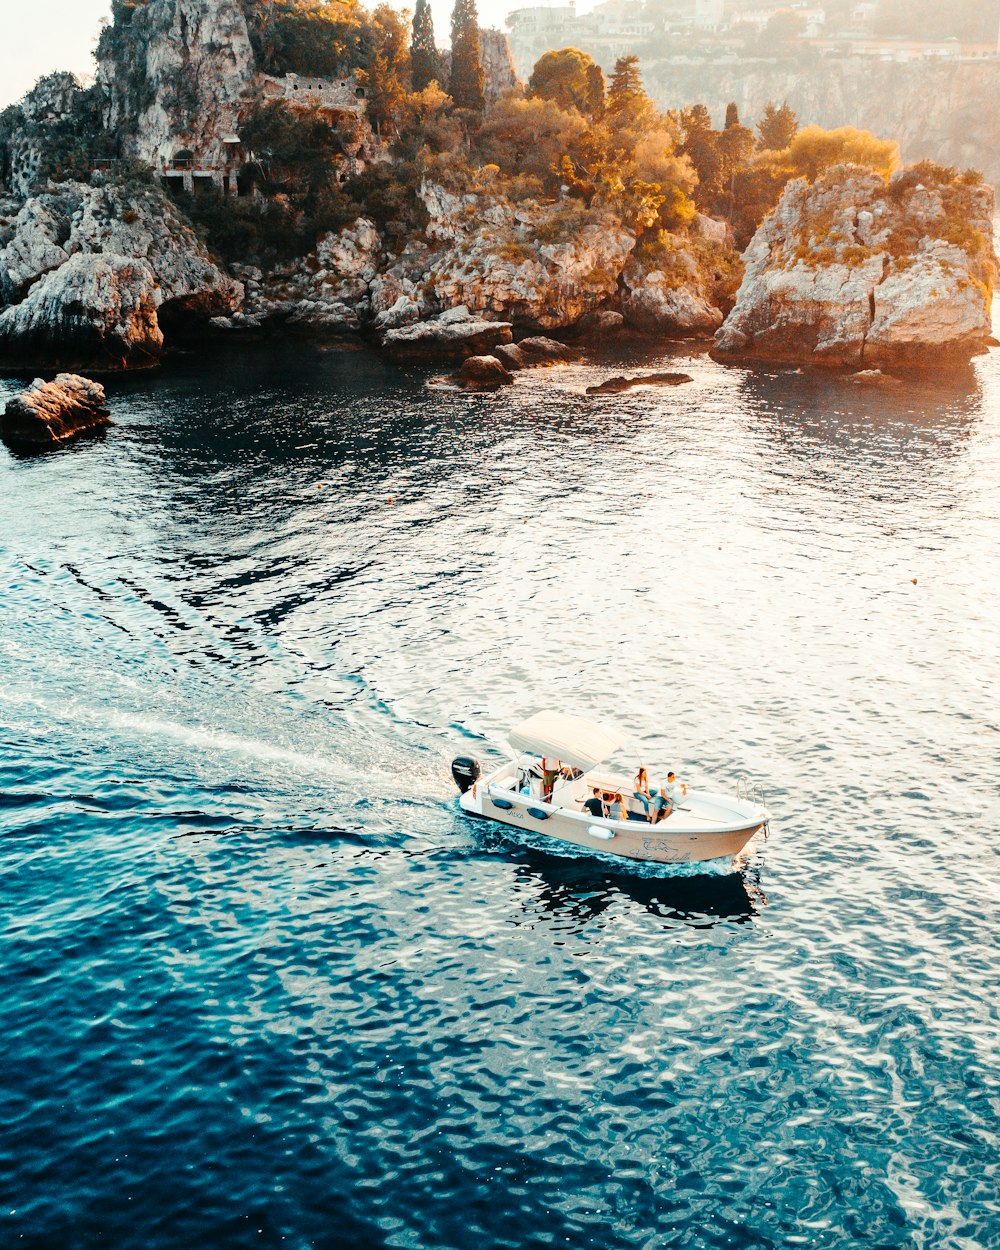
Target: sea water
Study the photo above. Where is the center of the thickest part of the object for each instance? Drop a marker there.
(263, 985)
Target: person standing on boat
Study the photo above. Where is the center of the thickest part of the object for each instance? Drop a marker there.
(549, 776)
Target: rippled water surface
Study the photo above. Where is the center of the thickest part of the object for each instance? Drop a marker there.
(262, 985)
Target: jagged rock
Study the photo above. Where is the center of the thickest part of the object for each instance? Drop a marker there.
(541, 266)
(176, 74)
(47, 121)
(453, 335)
(94, 312)
(499, 73)
(92, 271)
(666, 294)
(328, 291)
(482, 373)
(37, 245)
(52, 413)
(615, 386)
(849, 271)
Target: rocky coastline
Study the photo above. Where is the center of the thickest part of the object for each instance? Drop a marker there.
(104, 271)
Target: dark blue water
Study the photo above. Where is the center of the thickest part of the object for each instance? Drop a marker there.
(263, 986)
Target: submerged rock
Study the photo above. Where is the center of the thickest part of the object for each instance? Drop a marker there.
(482, 373)
(851, 271)
(453, 335)
(52, 413)
(615, 386)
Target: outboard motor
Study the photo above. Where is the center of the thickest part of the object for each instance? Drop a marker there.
(466, 772)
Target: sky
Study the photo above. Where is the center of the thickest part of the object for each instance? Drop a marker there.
(45, 35)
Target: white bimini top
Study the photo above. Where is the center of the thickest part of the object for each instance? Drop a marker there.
(571, 739)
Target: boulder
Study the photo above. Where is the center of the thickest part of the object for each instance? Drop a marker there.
(454, 335)
(600, 324)
(481, 373)
(850, 272)
(51, 413)
(543, 351)
(511, 356)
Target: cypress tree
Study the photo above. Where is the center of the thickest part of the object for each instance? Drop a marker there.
(732, 115)
(467, 78)
(425, 64)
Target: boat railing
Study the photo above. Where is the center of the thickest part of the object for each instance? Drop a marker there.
(750, 791)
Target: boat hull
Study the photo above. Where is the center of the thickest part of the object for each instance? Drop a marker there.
(634, 840)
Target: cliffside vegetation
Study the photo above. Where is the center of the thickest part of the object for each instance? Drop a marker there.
(600, 146)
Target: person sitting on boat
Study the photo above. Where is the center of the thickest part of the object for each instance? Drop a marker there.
(549, 778)
(595, 806)
(617, 809)
(643, 794)
(661, 806)
(676, 790)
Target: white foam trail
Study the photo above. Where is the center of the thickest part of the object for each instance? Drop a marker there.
(206, 738)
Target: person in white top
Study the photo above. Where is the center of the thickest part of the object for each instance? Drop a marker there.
(676, 791)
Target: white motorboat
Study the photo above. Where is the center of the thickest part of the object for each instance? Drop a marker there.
(560, 761)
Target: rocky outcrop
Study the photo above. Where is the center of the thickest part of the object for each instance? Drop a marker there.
(175, 73)
(329, 291)
(499, 72)
(541, 266)
(849, 272)
(453, 335)
(51, 413)
(92, 275)
(45, 131)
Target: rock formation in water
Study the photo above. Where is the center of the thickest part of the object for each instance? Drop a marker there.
(89, 274)
(850, 271)
(453, 335)
(51, 413)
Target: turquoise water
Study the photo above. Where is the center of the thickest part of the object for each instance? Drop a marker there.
(264, 986)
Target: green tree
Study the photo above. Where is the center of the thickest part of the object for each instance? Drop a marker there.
(388, 66)
(567, 77)
(701, 146)
(467, 78)
(627, 99)
(425, 64)
(776, 128)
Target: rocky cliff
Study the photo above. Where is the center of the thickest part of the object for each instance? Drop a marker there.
(853, 272)
(945, 111)
(89, 276)
(174, 73)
